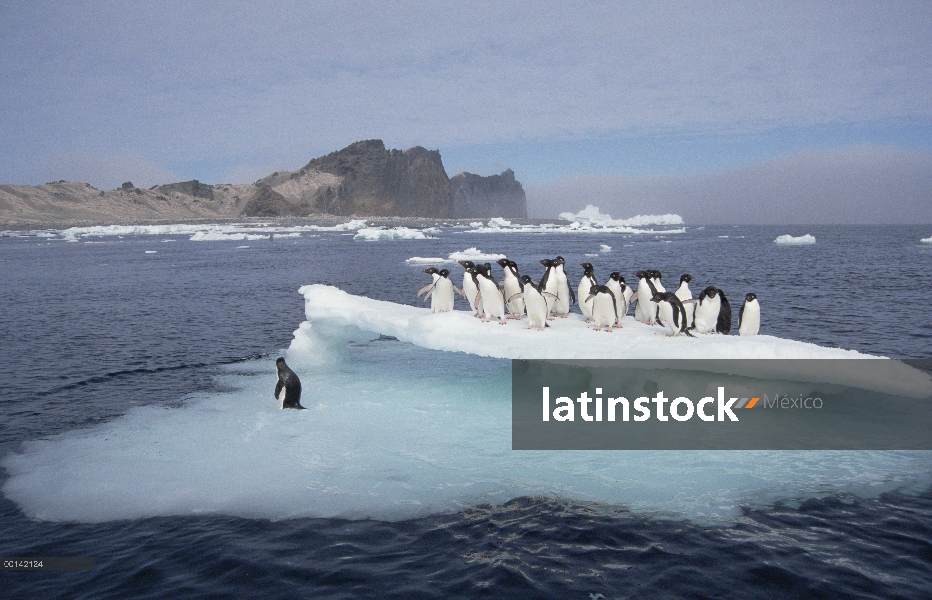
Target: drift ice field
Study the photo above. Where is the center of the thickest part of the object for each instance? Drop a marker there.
(409, 415)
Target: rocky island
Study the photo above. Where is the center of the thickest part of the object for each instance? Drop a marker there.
(365, 179)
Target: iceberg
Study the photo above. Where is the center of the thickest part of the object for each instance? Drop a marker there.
(605, 248)
(927, 240)
(788, 240)
(592, 216)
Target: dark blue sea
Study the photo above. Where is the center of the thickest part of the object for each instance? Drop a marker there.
(124, 360)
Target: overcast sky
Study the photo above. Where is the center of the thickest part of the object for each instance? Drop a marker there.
(561, 92)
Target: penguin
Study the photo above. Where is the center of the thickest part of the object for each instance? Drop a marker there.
(749, 317)
(623, 294)
(512, 286)
(723, 323)
(582, 292)
(670, 313)
(537, 303)
(288, 388)
(442, 300)
(470, 290)
(428, 289)
(683, 293)
(493, 303)
(655, 278)
(549, 284)
(646, 309)
(565, 295)
(709, 310)
(604, 307)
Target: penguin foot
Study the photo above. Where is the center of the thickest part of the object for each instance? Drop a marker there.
(564, 316)
(598, 328)
(502, 321)
(608, 329)
(485, 320)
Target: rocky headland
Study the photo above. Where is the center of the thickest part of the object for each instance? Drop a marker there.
(365, 179)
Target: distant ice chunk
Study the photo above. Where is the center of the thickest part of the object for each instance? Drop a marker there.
(928, 240)
(475, 224)
(421, 260)
(592, 216)
(219, 236)
(788, 240)
(371, 234)
(474, 254)
(207, 231)
(605, 248)
(151, 251)
(591, 255)
(499, 222)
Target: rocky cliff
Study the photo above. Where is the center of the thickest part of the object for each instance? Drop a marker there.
(364, 179)
(494, 196)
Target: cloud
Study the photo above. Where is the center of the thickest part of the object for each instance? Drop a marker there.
(251, 83)
(856, 185)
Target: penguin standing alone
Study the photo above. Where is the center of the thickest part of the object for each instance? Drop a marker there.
(749, 317)
(288, 388)
(441, 291)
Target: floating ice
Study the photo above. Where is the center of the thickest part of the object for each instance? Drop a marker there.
(788, 240)
(420, 260)
(591, 255)
(499, 222)
(72, 234)
(604, 248)
(474, 254)
(151, 251)
(475, 224)
(928, 240)
(379, 441)
(370, 234)
(592, 216)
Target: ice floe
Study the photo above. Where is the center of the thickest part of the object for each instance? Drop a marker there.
(205, 232)
(605, 248)
(788, 240)
(422, 260)
(591, 215)
(475, 255)
(371, 234)
(927, 240)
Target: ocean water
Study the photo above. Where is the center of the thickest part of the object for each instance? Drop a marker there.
(138, 428)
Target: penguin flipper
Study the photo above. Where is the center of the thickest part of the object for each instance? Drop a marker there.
(460, 291)
(518, 295)
(690, 301)
(278, 388)
(572, 294)
(554, 296)
(426, 290)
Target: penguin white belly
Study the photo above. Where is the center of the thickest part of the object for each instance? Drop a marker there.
(512, 287)
(683, 293)
(582, 293)
(536, 307)
(620, 305)
(665, 315)
(493, 304)
(646, 307)
(750, 319)
(562, 304)
(281, 397)
(443, 296)
(603, 311)
(628, 293)
(470, 291)
(706, 316)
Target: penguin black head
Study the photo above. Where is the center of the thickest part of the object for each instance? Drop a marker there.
(640, 274)
(279, 361)
(655, 274)
(709, 292)
(588, 267)
(503, 262)
(750, 297)
(526, 280)
(433, 271)
(466, 264)
(686, 278)
(488, 267)
(444, 272)
(593, 290)
(661, 297)
(546, 262)
(559, 260)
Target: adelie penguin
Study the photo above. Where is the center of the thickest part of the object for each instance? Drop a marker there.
(512, 286)
(550, 284)
(470, 289)
(670, 313)
(749, 317)
(646, 309)
(565, 294)
(493, 302)
(623, 294)
(683, 293)
(288, 388)
(713, 312)
(582, 292)
(537, 302)
(604, 307)
(440, 291)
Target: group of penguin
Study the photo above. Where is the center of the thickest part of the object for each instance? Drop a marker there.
(604, 305)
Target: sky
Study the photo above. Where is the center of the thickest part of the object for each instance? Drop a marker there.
(597, 97)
